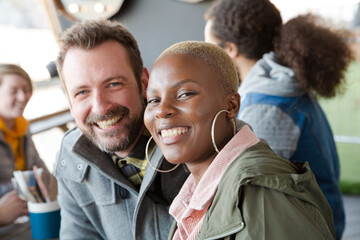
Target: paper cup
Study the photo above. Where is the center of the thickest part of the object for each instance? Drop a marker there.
(44, 220)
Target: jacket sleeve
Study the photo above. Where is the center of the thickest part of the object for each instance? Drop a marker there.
(270, 214)
(74, 222)
(273, 125)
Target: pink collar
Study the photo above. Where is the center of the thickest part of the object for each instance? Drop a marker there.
(190, 205)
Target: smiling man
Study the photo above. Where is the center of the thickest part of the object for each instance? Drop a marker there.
(106, 190)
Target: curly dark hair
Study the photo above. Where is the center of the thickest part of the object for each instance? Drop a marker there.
(318, 55)
(251, 24)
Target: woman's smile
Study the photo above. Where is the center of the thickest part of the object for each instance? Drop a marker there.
(173, 135)
(180, 100)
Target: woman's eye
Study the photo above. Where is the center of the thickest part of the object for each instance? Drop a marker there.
(153, 100)
(186, 94)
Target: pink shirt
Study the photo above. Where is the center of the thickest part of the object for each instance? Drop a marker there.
(190, 205)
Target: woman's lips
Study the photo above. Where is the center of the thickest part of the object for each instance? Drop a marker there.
(173, 135)
(173, 132)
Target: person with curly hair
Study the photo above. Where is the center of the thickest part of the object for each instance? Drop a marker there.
(282, 69)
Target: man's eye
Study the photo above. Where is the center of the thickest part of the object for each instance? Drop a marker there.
(114, 84)
(81, 92)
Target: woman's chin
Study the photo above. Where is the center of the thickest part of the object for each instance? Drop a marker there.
(171, 159)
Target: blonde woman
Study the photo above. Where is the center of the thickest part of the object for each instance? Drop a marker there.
(238, 187)
(17, 150)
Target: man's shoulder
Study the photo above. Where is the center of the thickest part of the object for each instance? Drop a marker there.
(68, 164)
(72, 135)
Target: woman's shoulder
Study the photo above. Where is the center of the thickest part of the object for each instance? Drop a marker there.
(259, 165)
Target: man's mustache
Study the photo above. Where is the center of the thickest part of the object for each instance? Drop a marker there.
(118, 111)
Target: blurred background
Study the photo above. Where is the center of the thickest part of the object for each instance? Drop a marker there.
(30, 29)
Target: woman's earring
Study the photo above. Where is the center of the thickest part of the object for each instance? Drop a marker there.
(213, 128)
(147, 159)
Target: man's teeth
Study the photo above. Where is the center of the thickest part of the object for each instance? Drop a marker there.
(107, 123)
(173, 132)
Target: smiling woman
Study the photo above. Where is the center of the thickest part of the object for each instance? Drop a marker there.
(28, 40)
(17, 149)
(181, 105)
(192, 103)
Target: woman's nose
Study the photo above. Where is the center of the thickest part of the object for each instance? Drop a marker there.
(164, 110)
(21, 96)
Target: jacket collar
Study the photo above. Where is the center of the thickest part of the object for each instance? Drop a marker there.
(101, 161)
(295, 181)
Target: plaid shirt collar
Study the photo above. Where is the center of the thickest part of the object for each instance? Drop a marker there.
(133, 166)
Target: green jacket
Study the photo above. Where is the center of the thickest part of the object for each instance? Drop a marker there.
(262, 196)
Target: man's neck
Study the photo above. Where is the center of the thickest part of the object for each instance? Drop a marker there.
(126, 152)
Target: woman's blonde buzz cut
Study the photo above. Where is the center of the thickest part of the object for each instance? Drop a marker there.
(213, 56)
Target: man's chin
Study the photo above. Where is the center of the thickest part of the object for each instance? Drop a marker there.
(114, 143)
(111, 144)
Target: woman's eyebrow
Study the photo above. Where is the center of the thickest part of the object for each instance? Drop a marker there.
(175, 85)
(183, 82)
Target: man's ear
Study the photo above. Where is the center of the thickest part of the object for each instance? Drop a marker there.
(231, 49)
(233, 102)
(144, 81)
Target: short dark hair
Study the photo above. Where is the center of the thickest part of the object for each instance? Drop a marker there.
(318, 55)
(91, 33)
(251, 24)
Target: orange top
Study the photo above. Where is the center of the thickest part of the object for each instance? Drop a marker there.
(14, 138)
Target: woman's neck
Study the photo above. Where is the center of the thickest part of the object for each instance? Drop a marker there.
(244, 66)
(198, 167)
(9, 123)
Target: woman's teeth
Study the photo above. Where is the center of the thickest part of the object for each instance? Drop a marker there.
(173, 132)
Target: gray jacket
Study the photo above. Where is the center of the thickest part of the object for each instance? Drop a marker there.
(7, 167)
(98, 202)
(7, 161)
(294, 125)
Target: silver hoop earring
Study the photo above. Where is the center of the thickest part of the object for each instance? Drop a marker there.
(147, 159)
(213, 128)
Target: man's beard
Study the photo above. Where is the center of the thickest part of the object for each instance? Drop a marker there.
(131, 129)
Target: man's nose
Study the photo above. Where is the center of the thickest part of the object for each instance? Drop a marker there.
(100, 103)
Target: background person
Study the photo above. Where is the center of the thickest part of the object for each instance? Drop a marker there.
(243, 191)
(17, 150)
(106, 190)
(282, 70)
